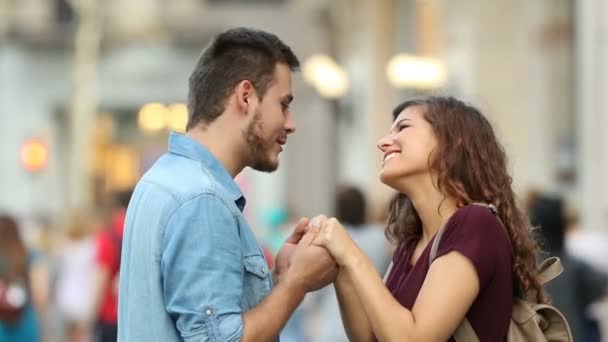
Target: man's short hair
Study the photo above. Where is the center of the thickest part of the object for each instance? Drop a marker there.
(233, 56)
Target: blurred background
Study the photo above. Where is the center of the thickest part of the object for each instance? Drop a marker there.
(90, 89)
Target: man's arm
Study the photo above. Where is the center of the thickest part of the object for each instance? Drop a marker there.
(265, 321)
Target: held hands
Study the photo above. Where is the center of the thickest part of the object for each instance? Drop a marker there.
(311, 254)
(303, 265)
(311, 266)
(336, 240)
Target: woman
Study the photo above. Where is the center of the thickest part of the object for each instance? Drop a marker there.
(441, 155)
(17, 274)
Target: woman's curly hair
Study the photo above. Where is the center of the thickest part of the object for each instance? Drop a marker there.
(471, 166)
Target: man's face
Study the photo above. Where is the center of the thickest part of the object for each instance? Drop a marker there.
(271, 123)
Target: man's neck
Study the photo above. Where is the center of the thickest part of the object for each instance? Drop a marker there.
(221, 144)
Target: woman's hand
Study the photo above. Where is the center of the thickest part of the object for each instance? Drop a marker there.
(337, 241)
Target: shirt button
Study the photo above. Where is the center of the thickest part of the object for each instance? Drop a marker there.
(263, 271)
(208, 312)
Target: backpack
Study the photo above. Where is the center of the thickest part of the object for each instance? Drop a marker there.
(530, 320)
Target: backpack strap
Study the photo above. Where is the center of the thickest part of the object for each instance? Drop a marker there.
(435, 244)
(549, 270)
(388, 272)
(465, 332)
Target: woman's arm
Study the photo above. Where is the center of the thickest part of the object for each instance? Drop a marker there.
(449, 289)
(354, 319)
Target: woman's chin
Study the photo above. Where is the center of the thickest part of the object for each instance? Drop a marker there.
(397, 179)
(388, 178)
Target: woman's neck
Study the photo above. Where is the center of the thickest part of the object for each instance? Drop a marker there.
(432, 206)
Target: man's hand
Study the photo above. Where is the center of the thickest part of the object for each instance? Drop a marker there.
(284, 255)
(311, 267)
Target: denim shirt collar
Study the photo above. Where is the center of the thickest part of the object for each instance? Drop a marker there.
(185, 146)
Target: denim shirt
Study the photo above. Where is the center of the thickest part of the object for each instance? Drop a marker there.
(191, 264)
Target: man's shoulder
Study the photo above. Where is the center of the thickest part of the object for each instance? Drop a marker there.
(180, 178)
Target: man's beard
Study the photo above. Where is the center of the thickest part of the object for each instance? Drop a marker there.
(259, 149)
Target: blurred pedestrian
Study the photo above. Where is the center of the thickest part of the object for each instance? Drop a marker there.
(580, 284)
(75, 278)
(106, 277)
(22, 297)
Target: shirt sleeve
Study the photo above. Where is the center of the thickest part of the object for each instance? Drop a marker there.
(478, 235)
(201, 265)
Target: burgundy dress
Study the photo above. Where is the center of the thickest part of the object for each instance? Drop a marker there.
(477, 234)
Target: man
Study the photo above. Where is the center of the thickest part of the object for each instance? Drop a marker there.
(191, 268)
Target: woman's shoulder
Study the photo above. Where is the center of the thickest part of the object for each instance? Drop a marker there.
(477, 234)
(478, 231)
(475, 211)
(474, 218)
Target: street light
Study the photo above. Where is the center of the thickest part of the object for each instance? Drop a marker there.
(34, 155)
(152, 117)
(177, 118)
(328, 78)
(408, 71)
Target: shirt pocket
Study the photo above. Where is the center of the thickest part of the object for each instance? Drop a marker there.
(256, 281)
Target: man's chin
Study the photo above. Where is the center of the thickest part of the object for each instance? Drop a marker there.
(266, 166)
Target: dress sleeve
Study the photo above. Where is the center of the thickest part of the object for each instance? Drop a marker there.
(477, 234)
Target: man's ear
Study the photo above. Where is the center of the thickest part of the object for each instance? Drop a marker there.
(244, 94)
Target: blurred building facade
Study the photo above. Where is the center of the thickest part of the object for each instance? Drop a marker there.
(534, 67)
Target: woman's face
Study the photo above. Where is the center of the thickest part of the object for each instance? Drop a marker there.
(406, 149)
